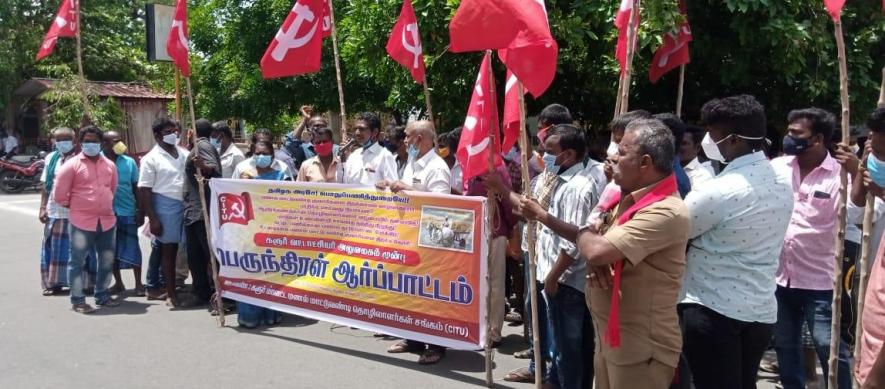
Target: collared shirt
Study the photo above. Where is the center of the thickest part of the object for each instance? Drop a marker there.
(127, 179)
(698, 173)
(873, 337)
(653, 243)
(283, 156)
(457, 181)
(86, 186)
(575, 195)
(367, 166)
(806, 261)
(193, 206)
(854, 214)
(312, 170)
(248, 170)
(400, 165)
(53, 209)
(163, 173)
(738, 222)
(230, 158)
(430, 173)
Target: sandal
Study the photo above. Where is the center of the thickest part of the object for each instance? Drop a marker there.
(83, 308)
(524, 354)
(431, 356)
(403, 347)
(109, 303)
(117, 289)
(140, 291)
(520, 375)
(513, 317)
(48, 292)
(153, 294)
(172, 303)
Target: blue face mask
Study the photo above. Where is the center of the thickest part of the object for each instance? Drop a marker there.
(876, 168)
(91, 149)
(216, 143)
(550, 163)
(263, 161)
(413, 152)
(368, 144)
(64, 146)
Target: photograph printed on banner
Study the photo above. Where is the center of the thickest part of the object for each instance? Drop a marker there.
(446, 228)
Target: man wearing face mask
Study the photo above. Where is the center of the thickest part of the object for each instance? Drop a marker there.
(223, 141)
(805, 275)
(294, 143)
(323, 166)
(396, 144)
(86, 185)
(129, 218)
(739, 219)
(369, 163)
(55, 252)
(425, 172)
(161, 189)
(205, 157)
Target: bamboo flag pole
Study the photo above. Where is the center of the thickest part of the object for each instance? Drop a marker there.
(835, 339)
(865, 247)
(200, 185)
(530, 236)
(490, 194)
(87, 108)
(618, 96)
(632, 31)
(177, 94)
(679, 93)
(427, 100)
(344, 136)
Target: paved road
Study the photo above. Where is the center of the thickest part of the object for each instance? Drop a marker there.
(142, 344)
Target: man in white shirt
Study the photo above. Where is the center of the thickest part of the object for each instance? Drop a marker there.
(370, 162)
(161, 188)
(689, 148)
(10, 145)
(425, 172)
(231, 155)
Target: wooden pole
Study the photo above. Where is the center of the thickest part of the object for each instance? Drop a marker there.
(344, 137)
(679, 93)
(865, 247)
(87, 108)
(835, 339)
(524, 146)
(177, 94)
(618, 96)
(631, 43)
(427, 100)
(490, 195)
(200, 185)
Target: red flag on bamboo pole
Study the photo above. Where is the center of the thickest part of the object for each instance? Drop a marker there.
(297, 47)
(327, 20)
(518, 29)
(404, 44)
(66, 24)
(177, 43)
(511, 112)
(834, 8)
(674, 52)
(482, 120)
(622, 20)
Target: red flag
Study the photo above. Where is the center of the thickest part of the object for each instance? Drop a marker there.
(520, 27)
(511, 113)
(834, 8)
(177, 43)
(66, 24)
(404, 44)
(327, 19)
(297, 47)
(621, 22)
(482, 120)
(674, 52)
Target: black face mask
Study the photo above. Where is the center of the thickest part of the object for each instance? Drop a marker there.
(392, 147)
(795, 146)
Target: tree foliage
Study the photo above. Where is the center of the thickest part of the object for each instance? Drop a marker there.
(65, 107)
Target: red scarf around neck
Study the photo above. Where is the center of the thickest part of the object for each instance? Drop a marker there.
(660, 191)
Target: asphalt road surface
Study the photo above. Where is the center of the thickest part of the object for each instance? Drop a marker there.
(144, 344)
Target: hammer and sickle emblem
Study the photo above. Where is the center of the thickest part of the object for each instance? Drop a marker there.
(415, 49)
(288, 39)
(182, 40)
(238, 210)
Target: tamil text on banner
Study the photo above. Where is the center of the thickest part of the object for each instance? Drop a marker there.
(411, 265)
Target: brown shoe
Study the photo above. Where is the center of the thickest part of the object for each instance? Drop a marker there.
(83, 308)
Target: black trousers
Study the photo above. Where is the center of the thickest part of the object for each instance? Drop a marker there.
(722, 353)
(198, 258)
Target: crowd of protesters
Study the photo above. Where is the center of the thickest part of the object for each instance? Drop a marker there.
(664, 253)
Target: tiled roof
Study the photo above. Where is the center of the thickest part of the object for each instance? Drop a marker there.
(125, 90)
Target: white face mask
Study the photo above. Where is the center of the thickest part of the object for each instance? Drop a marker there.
(171, 139)
(612, 149)
(711, 149)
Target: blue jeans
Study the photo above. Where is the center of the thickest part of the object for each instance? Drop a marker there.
(548, 352)
(572, 327)
(814, 308)
(103, 243)
(154, 277)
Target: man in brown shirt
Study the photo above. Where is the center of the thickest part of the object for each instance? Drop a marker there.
(647, 227)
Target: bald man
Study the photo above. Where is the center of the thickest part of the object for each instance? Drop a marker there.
(425, 172)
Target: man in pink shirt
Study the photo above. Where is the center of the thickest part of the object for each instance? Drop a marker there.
(86, 185)
(805, 274)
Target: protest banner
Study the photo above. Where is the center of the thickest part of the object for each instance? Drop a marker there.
(411, 265)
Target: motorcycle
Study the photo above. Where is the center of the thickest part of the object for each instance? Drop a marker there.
(16, 175)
